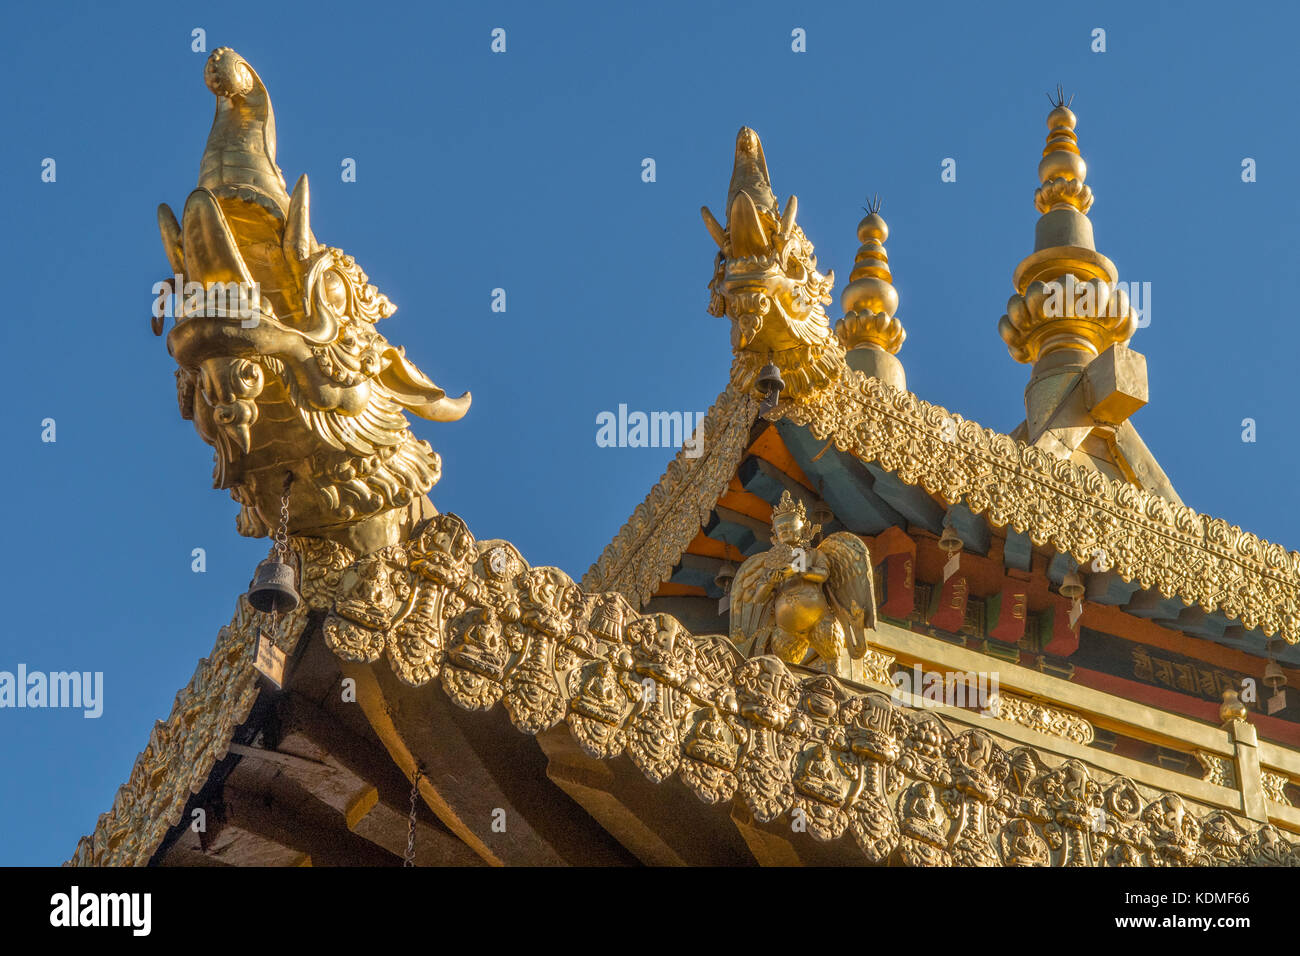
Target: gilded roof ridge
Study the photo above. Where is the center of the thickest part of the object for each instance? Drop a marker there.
(645, 550)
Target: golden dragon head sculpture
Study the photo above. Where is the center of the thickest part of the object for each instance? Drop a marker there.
(765, 280)
(281, 367)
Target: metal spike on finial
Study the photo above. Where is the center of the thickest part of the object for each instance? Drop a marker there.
(869, 331)
(1059, 99)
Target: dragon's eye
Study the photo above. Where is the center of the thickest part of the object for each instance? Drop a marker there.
(334, 290)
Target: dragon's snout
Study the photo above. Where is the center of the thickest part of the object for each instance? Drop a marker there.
(230, 386)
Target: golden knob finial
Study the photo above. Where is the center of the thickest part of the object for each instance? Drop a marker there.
(1232, 708)
(870, 299)
(1062, 170)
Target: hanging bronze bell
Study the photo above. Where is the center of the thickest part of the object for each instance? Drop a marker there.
(1274, 676)
(950, 541)
(272, 587)
(770, 384)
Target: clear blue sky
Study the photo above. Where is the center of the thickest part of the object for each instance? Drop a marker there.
(522, 171)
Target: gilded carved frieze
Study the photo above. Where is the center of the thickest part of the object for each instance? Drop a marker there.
(1217, 770)
(1275, 787)
(905, 784)
(1043, 718)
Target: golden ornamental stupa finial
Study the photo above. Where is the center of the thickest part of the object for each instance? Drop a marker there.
(1066, 297)
(1067, 308)
(765, 280)
(870, 331)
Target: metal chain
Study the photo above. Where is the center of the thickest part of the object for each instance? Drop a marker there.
(409, 859)
(282, 532)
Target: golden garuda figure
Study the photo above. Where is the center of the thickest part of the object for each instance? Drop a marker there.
(802, 603)
(284, 371)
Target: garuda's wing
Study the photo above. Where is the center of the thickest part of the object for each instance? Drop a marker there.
(851, 587)
(750, 591)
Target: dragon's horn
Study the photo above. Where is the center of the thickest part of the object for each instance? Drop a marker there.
(170, 230)
(787, 217)
(239, 161)
(211, 252)
(298, 240)
(714, 227)
(417, 393)
(745, 225)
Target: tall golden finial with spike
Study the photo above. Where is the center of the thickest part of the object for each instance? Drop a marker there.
(1067, 309)
(870, 331)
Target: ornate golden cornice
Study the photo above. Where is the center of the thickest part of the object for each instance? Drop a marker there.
(908, 785)
(1140, 536)
(196, 734)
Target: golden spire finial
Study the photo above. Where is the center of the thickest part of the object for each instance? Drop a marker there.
(1066, 297)
(869, 329)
